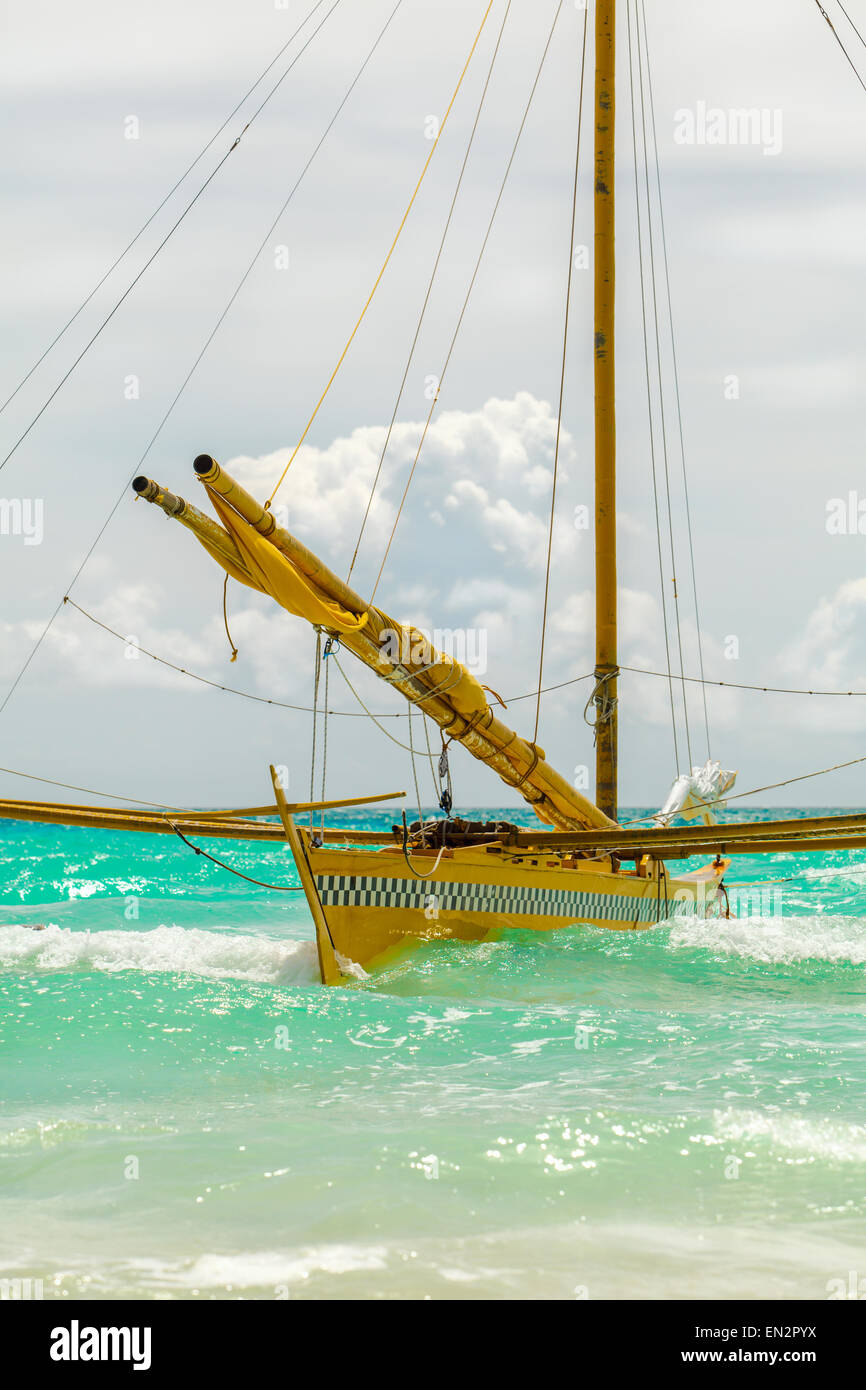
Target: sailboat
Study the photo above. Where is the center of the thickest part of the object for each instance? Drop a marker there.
(372, 894)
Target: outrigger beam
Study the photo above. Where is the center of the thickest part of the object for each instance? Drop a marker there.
(679, 842)
(755, 837)
(224, 825)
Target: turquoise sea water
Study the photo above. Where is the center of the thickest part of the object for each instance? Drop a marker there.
(676, 1113)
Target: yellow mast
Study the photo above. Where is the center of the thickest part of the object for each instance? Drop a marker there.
(606, 668)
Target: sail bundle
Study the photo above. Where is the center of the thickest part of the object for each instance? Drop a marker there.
(253, 549)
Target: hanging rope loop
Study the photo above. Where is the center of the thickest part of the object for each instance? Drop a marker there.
(410, 866)
(234, 655)
(276, 887)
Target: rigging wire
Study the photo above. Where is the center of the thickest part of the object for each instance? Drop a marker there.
(157, 210)
(433, 274)
(676, 375)
(434, 771)
(840, 42)
(414, 765)
(512, 699)
(561, 376)
(466, 299)
(405, 746)
(387, 259)
(89, 791)
(737, 796)
(325, 655)
(661, 389)
(158, 431)
(276, 887)
(227, 689)
(851, 22)
(771, 787)
(654, 471)
(169, 234)
(317, 671)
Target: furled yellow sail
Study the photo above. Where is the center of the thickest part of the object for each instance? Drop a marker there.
(277, 576)
(252, 547)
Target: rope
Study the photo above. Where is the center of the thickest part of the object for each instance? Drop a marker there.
(465, 303)
(736, 685)
(149, 262)
(369, 300)
(512, 699)
(771, 786)
(202, 152)
(369, 713)
(317, 670)
(405, 847)
(121, 495)
(664, 604)
(839, 41)
(277, 887)
(327, 653)
(676, 376)
(561, 376)
(661, 392)
(70, 786)
(604, 703)
(789, 781)
(437, 785)
(429, 290)
(215, 685)
(851, 22)
(234, 655)
(414, 767)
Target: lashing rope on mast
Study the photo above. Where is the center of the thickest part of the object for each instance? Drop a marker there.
(604, 702)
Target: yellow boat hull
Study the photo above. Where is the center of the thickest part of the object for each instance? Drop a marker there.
(372, 905)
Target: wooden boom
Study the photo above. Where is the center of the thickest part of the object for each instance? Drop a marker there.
(427, 679)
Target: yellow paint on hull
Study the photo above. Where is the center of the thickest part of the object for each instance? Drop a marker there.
(374, 906)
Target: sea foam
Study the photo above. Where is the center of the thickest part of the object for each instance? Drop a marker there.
(164, 950)
(775, 940)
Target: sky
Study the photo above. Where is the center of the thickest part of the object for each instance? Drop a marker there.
(766, 241)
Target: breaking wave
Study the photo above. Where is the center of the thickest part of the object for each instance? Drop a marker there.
(164, 950)
(775, 940)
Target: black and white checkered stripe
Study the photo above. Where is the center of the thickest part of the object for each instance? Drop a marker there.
(339, 891)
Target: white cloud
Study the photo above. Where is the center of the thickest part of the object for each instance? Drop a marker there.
(830, 654)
